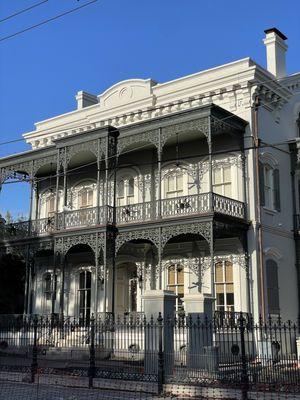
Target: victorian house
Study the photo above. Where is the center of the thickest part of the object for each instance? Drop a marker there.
(184, 186)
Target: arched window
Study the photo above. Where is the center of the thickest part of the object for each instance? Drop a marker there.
(175, 283)
(84, 295)
(272, 287)
(125, 191)
(269, 186)
(224, 286)
(222, 180)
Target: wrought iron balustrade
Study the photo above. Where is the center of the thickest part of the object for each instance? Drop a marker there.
(228, 206)
(42, 226)
(135, 212)
(140, 212)
(15, 230)
(185, 205)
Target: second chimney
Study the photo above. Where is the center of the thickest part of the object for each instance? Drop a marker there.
(276, 49)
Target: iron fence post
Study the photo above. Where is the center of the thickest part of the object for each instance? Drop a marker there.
(34, 363)
(92, 352)
(244, 374)
(160, 370)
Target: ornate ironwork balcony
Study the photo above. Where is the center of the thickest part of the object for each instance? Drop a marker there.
(141, 212)
(180, 206)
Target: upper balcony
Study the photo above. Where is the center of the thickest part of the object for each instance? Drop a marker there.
(179, 207)
(185, 166)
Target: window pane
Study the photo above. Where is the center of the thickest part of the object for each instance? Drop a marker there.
(88, 299)
(81, 299)
(227, 174)
(179, 182)
(90, 196)
(217, 176)
(230, 299)
(88, 279)
(171, 275)
(170, 183)
(48, 283)
(220, 299)
(180, 290)
(131, 187)
(52, 204)
(219, 288)
(229, 288)
(121, 189)
(180, 275)
(218, 189)
(227, 190)
(219, 272)
(228, 271)
(81, 280)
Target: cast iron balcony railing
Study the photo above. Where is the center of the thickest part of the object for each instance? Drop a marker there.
(180, 206)
(199, 204)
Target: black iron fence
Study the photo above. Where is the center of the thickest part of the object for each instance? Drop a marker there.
(227, 351)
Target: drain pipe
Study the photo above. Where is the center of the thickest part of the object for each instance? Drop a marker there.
(262, 308)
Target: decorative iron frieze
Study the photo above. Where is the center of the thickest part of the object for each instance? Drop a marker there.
(151, 234)
(89, 146)
(40, 162)
(199, 125)
(200, 228)
(64, 244)
(143, 137)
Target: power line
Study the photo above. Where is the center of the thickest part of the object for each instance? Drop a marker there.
(23, 11)
(47, 20)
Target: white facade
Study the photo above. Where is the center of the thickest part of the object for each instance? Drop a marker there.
(259, 277)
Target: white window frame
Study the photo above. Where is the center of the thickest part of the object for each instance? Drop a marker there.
(176, 284)
(174, 173)
(225, 283)
(127, 198)
(223, 183)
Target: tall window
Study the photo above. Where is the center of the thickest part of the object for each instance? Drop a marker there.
(174, 185)
(50, 205)
(222, 180)
(224, 286)
(125, 192)
(269, 186)
(49, 285)
(175, 283)
(86, 197)
(272, 287)
(84, 292)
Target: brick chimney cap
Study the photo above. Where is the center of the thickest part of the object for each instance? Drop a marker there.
(277, 31)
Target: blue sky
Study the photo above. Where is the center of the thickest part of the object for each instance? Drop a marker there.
(112, 40)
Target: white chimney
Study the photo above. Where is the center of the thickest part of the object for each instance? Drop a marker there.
(276, 49)
(85, 99)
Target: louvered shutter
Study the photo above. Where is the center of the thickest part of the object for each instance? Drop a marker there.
(272, 287)
(276, 189)
(261, 184)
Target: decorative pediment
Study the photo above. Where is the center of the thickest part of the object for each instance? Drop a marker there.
(127, 92)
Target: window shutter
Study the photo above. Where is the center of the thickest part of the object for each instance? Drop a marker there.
(276, 189)
(261, 184)
(272, 287)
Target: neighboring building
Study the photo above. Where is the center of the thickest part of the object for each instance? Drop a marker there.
(166, 177)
